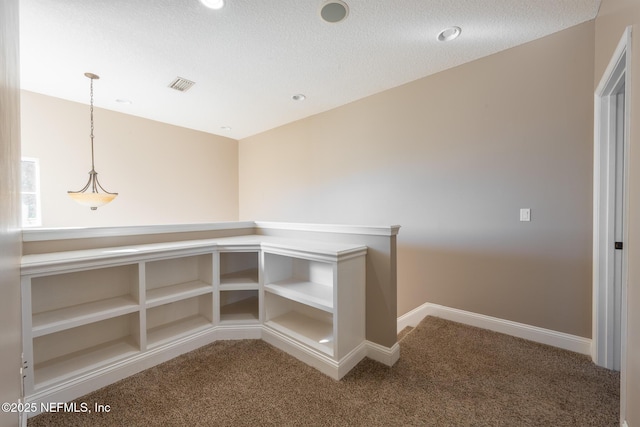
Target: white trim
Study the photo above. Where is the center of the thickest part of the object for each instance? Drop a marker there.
(326, 254)
(391, 230)
(86, 383)
(415, 316)
(90, 258)
(624, 424)
(43, 264)
(238, 332)
(385, 355)
(603, 322)
(520, 330)
(348, 362)
(603, 254)
(309, 356)
(44, 234)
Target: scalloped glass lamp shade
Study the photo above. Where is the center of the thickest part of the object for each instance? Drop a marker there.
(93, 200)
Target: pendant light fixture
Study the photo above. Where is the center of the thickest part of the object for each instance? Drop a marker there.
(90, 194)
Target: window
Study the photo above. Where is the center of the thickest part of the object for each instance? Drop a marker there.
(30, 191)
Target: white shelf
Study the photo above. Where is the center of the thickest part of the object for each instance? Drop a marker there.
(309, 293)
(64, 318)
(63, 367)
(309, 331)
(169, 332)
(167, 294)
(245, 279)
(243, 311)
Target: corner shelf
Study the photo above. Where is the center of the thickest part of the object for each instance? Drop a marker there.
(246, 279)
(239, 270)
(239, 306)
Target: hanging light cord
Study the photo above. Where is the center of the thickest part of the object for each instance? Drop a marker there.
(91, 135)
(93, 182)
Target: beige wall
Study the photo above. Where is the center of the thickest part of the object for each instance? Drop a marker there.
(10, 339)
(452, 158)
(613, 18)
(164, 174)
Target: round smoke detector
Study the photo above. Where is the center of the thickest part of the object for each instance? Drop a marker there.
(334, 11)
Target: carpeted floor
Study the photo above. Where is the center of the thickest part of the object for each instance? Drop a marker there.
(448, 375)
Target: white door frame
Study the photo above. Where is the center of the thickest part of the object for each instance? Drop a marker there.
(604, 312)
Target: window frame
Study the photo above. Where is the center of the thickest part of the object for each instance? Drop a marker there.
(37, 220)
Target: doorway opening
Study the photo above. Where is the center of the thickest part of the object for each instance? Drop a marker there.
(610, 218)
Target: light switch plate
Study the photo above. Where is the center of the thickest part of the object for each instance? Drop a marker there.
(525, 214)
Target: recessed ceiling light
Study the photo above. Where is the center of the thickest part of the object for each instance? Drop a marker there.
(225, 127)
(298, 97)
(124, 101)
(334, 11)
(449, 34)
(213, 4)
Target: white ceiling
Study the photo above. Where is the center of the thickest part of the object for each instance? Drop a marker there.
(249, 58)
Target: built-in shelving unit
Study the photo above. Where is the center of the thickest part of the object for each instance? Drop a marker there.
(102, 314)
(316, 297)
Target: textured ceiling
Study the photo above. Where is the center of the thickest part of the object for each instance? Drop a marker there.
(249, 58)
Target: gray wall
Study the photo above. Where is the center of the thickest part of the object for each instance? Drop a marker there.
(10, 339)
(452, 158)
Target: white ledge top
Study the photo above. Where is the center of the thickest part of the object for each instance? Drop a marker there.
(376, 230)
(66, 260)
(43, 234)
(46, 234)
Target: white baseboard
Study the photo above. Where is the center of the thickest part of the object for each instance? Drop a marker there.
(239, 332)
(385, 355)
(91, 381)
(311, 357)
(533, 333)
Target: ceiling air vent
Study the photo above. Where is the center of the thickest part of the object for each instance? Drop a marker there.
(181, 84)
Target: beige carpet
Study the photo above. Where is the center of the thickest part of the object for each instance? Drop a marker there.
(448, 375)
